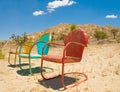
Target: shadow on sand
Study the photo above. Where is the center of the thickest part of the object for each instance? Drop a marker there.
(55, 83)
(13, 66)
(35, 70)
(25, 72)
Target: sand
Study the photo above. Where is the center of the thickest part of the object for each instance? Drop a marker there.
(101, 63)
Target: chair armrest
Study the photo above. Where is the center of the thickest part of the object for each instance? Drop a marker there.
(31, 47)
(35, 43)
(75, 43)
(51, 43)
(16, 50)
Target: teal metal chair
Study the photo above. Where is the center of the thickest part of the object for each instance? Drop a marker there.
(29, 46)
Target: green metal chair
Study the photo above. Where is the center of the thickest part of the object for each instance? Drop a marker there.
(29, 46)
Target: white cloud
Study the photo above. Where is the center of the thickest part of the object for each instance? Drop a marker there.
(59, 3)
(53, 5)
(36, 13)
(111, 16)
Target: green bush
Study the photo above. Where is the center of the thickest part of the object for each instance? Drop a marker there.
(73, 26)
(114, 32)
(100, 35)
(2, 56)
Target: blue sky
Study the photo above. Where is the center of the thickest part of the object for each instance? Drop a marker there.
(19, 16)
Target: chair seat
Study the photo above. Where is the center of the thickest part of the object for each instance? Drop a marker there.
(31, 56)
(58, 59)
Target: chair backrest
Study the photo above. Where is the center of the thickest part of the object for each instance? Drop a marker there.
(41, 42)
(26, 47)
(74, 50)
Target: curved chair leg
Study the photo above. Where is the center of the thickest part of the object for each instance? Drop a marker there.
(62, 77)
(19, 61)
(9, 57)
(15, 59)
(41, 68)
(20, 65)
(76, 83)
(30, 67)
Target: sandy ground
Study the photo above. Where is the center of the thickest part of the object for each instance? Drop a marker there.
(101, 63)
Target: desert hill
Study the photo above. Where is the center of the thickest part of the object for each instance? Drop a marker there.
(59, 31)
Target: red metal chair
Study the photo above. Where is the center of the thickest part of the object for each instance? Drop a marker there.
(74, 45)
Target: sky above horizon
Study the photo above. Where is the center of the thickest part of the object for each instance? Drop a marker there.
(19, 16)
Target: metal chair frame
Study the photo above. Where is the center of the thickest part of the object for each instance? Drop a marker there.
(63, 62)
